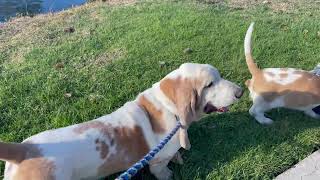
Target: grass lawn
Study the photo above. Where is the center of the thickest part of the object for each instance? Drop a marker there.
(52, 78)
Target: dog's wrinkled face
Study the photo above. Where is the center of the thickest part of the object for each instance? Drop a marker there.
(217, 94)
(196, 89)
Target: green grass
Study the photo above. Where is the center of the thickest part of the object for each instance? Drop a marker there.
(114, 54)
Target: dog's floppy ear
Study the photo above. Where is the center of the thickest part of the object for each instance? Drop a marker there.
(185, 94)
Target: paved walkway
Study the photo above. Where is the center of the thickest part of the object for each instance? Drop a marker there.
(307, 169)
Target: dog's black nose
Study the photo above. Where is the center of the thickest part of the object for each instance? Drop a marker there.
(239, 93)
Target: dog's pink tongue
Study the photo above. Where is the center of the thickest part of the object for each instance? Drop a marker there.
(223, 109)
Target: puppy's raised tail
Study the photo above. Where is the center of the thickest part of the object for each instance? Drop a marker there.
(13, 152)
(253, 68)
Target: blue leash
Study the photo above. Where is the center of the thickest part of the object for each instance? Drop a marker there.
(133, 170)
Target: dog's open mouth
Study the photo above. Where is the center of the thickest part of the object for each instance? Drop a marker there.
(209, 108)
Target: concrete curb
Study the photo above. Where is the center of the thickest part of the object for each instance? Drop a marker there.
(307, 169)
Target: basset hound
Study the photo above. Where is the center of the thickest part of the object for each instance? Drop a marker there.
(281, 87)
(114, 142)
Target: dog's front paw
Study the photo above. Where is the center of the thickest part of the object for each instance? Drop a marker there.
(166, 174)
(161, 171)
(177, 158)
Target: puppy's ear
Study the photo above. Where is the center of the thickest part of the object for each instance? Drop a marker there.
(184, 94)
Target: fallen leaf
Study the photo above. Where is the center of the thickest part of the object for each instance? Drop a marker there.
(68, 95)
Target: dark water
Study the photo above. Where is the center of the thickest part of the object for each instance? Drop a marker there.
(11, 8)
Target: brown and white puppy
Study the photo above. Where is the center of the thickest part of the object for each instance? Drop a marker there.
(280, 87)
(114, 142)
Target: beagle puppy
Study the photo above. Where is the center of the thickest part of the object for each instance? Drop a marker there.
(114, 142)
(280, 87)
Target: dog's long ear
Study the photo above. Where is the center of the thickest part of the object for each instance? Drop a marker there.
(187, 104)
(185, 94)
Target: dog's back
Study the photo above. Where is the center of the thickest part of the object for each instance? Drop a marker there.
(92, 149)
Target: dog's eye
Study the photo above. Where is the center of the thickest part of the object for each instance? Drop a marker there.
(209, 85)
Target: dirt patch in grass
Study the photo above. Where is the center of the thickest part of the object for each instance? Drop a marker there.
(282, 6)
(101, 60)
(28, 33)
(212, 1)
(108, 57)
(121, 2)
(118, 2)
(275, 5)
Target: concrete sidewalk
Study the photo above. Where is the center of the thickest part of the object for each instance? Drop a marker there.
(307, 169)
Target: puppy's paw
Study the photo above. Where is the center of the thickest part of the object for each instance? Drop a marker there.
(264, 120)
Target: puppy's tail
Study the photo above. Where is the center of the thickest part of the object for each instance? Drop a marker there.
(13, 152)
(253, 68)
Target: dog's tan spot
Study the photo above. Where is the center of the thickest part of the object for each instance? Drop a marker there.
(168, 87)
(155, 115)
(283, 75)
(270, 96)
(35, 169)
(181, 91)
(103, 128)
(103, 148)
(300, 99)
(302, 92)
(29, 160)
(174, 88)
(185, 93)
(130, 145)
(247, 82)
(81, 128)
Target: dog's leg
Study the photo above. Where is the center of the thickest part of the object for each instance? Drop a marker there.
(161, 171)
(177, 158)
(257, 111)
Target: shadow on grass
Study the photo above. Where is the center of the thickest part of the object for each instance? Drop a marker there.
(230, 145)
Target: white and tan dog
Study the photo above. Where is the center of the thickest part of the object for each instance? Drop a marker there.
(114, 142)
(280, 87)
